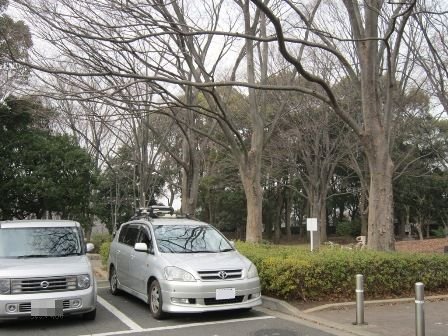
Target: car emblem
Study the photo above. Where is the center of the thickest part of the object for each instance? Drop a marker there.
(222, 275)
(44, 284)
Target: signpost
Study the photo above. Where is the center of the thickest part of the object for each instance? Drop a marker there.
(311, 226)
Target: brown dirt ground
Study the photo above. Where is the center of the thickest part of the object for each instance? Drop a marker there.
(436, 245)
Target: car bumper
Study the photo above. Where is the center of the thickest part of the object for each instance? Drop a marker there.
(71, 302)
(201, 296)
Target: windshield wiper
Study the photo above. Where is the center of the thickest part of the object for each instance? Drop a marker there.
(35, 256)
(69, 254)
(227, 250)
(200, 251)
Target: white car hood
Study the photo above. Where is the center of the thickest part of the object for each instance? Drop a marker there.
(44, 267)
(207, 261)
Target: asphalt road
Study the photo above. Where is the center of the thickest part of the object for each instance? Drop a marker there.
(126, 315)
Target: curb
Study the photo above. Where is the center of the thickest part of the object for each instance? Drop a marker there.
(288, 309)
(98, 269)
(93, 256)
(371, 303)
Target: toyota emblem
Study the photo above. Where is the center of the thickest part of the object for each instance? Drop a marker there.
(222, 275)
(44, 284)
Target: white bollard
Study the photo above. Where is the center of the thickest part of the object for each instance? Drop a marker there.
(359, 300)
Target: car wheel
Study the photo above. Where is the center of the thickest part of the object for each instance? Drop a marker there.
(155, 300)
(90, 316)
(113, 281)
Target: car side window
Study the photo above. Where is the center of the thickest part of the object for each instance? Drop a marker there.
(122, 236)
(131, 235)
(144, 237)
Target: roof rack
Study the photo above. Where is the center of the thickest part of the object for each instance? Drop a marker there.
(153, 211)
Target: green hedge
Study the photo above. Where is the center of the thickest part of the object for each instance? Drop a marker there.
(104, 252)
(329, 274)
(99, 239)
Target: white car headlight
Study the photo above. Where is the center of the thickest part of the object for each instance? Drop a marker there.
(252, 272)
(83, 281)
(5, 286)
(177, 274)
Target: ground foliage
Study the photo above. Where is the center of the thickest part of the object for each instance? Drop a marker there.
(295, 273)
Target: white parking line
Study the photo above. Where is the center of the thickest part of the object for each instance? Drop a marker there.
(122, 317)
(183, 326)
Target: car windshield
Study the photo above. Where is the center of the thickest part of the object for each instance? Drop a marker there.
(190, 239)
(39, 242)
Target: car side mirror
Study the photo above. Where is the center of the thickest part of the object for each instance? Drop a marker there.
(89, 247)
(141, 247)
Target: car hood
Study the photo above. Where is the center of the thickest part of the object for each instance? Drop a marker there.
(44, 267)
(207, 261)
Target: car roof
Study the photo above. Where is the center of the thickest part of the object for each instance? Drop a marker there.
(169, 221)
(35, 223)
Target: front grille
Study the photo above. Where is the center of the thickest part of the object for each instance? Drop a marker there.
(213, 301)
(26, 306)
(221, 275)
(39, 285)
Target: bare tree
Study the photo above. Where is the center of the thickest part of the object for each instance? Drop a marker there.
(376, 31)
(165, 46)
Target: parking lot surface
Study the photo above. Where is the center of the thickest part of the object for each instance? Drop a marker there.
(126, 315)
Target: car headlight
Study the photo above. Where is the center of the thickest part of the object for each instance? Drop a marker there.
(177, 274)
(83, 281)
(252, 272)
(5, 286)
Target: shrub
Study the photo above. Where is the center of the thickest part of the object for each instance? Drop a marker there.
(329, 274)
(104, 252)
(99, 239)
(348, 228)
(440, 232)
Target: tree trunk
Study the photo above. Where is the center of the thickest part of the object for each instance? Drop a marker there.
(418, 226)
(363, 211)
(278, 215)
(190, 171)
(323, 221)
(251, 176)
(318, 210)
(381, 229)
(288, 202)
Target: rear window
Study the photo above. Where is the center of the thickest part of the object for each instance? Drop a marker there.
(40, 242)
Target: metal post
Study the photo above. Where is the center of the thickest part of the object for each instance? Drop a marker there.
(419, 309)
(359, 300)
(312, 241)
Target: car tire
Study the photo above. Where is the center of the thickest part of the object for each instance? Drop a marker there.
(90, 316)
(113, 281)
(155, 300)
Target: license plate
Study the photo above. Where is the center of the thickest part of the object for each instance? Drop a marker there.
(225, 293)
(46, 308)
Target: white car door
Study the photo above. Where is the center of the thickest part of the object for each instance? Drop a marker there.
(124, 251)
(141, 261)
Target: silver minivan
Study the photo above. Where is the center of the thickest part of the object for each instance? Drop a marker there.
(44, 270)
(181, 265)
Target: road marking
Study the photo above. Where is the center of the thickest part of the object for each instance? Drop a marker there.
(190, 325)
(122, 317)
